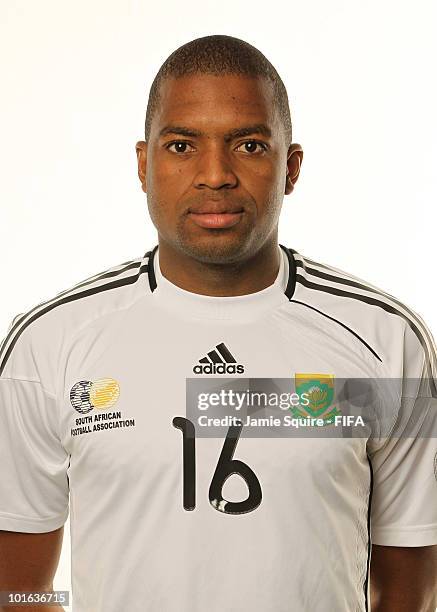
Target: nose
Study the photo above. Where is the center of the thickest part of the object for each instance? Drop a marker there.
(215, 169)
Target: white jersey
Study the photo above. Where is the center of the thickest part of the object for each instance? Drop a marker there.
(95, 424)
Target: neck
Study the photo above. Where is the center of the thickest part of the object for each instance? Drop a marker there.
(230, 279)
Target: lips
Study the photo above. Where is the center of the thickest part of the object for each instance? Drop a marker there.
(215, 208)
(216, 215)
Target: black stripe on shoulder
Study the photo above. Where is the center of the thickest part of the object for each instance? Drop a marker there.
(316, 263)
(59, 301)
(128, 265)
(343, 325)
(430, 350)
(387, 307)
(352, 283)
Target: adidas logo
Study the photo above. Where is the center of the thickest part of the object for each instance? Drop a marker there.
(218, 361)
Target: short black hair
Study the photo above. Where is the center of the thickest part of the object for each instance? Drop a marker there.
(219, 54)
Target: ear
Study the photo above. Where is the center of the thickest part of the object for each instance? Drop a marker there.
(294, 162)
(141, 150)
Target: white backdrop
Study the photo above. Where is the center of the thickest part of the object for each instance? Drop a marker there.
(74, 83)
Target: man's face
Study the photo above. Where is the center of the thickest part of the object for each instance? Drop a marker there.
(214, 191)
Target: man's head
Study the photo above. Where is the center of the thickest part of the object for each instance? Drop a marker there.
(198, 155)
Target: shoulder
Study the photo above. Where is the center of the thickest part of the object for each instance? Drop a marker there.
(388, 324)
(46, 326)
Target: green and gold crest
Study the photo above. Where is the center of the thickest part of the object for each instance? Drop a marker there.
(319, 389)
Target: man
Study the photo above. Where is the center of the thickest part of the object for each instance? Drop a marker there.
(96, 389)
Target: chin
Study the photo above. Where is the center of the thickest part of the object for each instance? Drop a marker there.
(214, 249)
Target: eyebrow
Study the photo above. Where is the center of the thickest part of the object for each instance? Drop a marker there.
(259, 128)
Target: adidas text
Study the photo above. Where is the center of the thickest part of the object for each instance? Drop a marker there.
(218, 368)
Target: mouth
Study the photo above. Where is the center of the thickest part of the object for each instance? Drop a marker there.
(216, 216)
(216, 220)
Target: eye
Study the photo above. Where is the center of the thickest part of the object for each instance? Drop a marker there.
(252, 144)
(179, 144)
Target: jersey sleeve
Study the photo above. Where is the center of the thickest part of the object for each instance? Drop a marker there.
(34, 488)
(404, 468)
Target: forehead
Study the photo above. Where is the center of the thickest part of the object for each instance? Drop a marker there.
(215, 101)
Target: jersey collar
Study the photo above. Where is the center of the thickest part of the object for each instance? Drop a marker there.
(223, 307)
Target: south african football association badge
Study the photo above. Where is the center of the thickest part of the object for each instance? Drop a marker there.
(319, 391)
